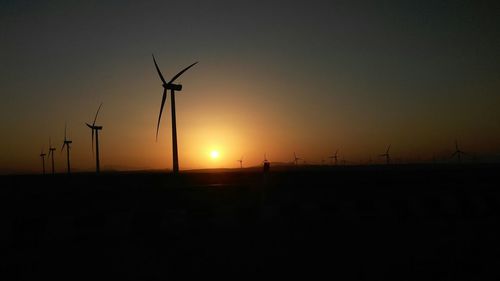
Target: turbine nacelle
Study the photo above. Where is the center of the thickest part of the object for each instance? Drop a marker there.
(174, 87)
(93, 127)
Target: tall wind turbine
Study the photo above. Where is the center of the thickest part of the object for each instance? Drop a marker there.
(386, 155)
(42, 155)
(334, 157)
(172, 87)
(67, 144)
(241, 161)
(95, 128)
(296, 159)
(51, 153)
(458, 153)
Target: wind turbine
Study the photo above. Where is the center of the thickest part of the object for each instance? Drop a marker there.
(334, 157)
(51, 153)
(241, 161)
(296, 159)
(267, 164)
(386, 155)
(458, 153)
(95, 128)
(172, 87)
(42, 155)
(67, 144)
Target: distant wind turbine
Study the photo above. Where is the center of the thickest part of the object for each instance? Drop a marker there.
(334, 157)
(67, 144)
(51, 153)
(458, 153)
(42, 155)
(386, 155)
(296, 159)
(172, 87)
(95, 128)
(267, 164)
(241, 161)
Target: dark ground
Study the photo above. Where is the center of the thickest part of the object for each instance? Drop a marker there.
(345, 223)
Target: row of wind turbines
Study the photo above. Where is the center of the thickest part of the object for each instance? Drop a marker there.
(67, 143)
(96, 128)
(175, 159)
(334, 159)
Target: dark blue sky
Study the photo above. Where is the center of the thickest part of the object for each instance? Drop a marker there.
(326, 74)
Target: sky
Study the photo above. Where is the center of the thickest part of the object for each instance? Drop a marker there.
(273, 77)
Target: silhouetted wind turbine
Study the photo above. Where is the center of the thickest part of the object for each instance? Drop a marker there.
(241, 161)
(67, 144)
(172, 87)
(42, 155)
(267, 164)
(386, 155)
(334, 157)
(296, 159)
(51, 153)
(95, 128)
(458, 153)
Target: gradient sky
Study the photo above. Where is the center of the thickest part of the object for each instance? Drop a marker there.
(274, 76)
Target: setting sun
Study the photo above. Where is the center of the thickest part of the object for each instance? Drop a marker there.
(214, 154)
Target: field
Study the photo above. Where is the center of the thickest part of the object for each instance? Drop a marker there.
(412, 222)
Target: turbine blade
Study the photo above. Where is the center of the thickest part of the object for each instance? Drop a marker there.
(97, 114)
(387, 151)
(62, 148)
(180, 73)
(159, 72)
(65, 131)
(164, 97)
(92, 141)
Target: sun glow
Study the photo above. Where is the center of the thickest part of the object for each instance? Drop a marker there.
(214, 154)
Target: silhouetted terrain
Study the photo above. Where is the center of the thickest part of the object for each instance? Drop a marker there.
(351, 223)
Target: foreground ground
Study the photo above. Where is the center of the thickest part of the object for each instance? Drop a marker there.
(349, 223)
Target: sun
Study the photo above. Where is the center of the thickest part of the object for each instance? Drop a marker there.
(214, 154)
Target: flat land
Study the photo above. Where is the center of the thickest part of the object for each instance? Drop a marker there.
(412, 222)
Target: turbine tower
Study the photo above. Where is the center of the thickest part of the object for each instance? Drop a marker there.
(42, 155)
(51, 153)
(334, 157)
(172, 87)
(67, 144)
(241, 162)
(458, 153)
(386, 155)
(296, 159)
(95, 128)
